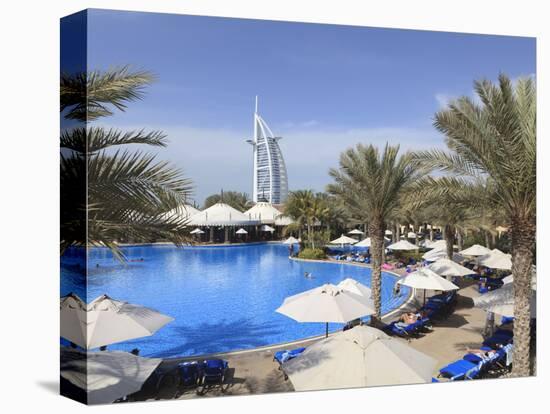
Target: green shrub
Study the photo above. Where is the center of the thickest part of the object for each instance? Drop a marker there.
(312, 254)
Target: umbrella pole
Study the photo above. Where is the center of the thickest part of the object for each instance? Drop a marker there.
(326, 330)
(424, 298)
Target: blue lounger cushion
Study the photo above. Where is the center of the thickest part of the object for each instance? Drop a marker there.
(286, 355)
(458, 369)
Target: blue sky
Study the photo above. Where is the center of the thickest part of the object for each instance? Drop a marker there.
(322, 87)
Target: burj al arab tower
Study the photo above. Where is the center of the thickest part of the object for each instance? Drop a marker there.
(270, 177)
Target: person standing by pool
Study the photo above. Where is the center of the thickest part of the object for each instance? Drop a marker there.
(290, 250)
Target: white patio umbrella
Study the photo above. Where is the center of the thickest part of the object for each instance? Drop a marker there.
(403, 245)
(291, 240)
(446, 267)
(326, 303)
(439, 253)
(268, 228)
(364, 243)
(343, 240)
(357, 288)
(496, 260)
(427, 279)
(359, 357)
(501, 301)
(241, 231)
(106, 376)
(356, 231)
(475, 250)
(438, 244)
(106, 321)
(196, 231)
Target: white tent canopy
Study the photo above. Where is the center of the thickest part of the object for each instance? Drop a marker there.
(403, 245)
(356, 231)
(496, 260)
(241, 231)
(263, 212)
(343, 240)
(411, 235)
(106, 321)
(446, 267)
(475, 250)
(291, 240)
(359, 357)
(221, 214)
(326, 303)
(283, 221)
(425, 278)
(106, 376)
(267, 228)
(183, 212)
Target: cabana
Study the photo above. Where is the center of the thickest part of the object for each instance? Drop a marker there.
(223, 216)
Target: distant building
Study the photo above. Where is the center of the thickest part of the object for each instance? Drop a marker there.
(270, 178)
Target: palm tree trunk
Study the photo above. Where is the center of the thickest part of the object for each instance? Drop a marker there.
(431, 232)
(449, 238)
(396, 233)
(523, 239)
(487, 243)
(460, 240)
(376, 232)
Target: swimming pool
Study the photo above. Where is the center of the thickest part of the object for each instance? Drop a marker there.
(222, 298)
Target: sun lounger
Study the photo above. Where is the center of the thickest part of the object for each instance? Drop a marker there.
(190, 373)
(461, 370)
(286, 355)
(387, 266)
(214, 371)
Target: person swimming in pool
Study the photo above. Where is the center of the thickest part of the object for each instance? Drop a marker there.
(308, 275)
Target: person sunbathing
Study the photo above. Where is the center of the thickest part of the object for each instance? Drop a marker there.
(408, 318)
(484, 354)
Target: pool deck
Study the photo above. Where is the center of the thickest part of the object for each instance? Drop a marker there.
(254, 371)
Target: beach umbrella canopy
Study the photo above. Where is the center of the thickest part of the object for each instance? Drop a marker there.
(364, 243)
(356, 231)
(326, 303)
(357, 288)
(403, 245)
(496, 260)
(106, 376)
(344, 240)
(438, 244)
(106, 321)
(291, 240)
(475, 250)
(268, 228)
(425, 278)
(196, 231)
(446, 267)
(438, 253)
(501, 301)
(359, 357)
(241, 231)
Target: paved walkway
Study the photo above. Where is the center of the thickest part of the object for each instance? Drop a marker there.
(255, 372)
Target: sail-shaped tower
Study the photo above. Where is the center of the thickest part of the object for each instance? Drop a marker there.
(270, 177)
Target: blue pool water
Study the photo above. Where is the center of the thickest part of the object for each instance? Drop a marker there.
(222, 298)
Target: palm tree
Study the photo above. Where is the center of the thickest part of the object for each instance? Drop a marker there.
(109, 195)
(370, 184)
(496, 138)
(307, 208)
(235, 199)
